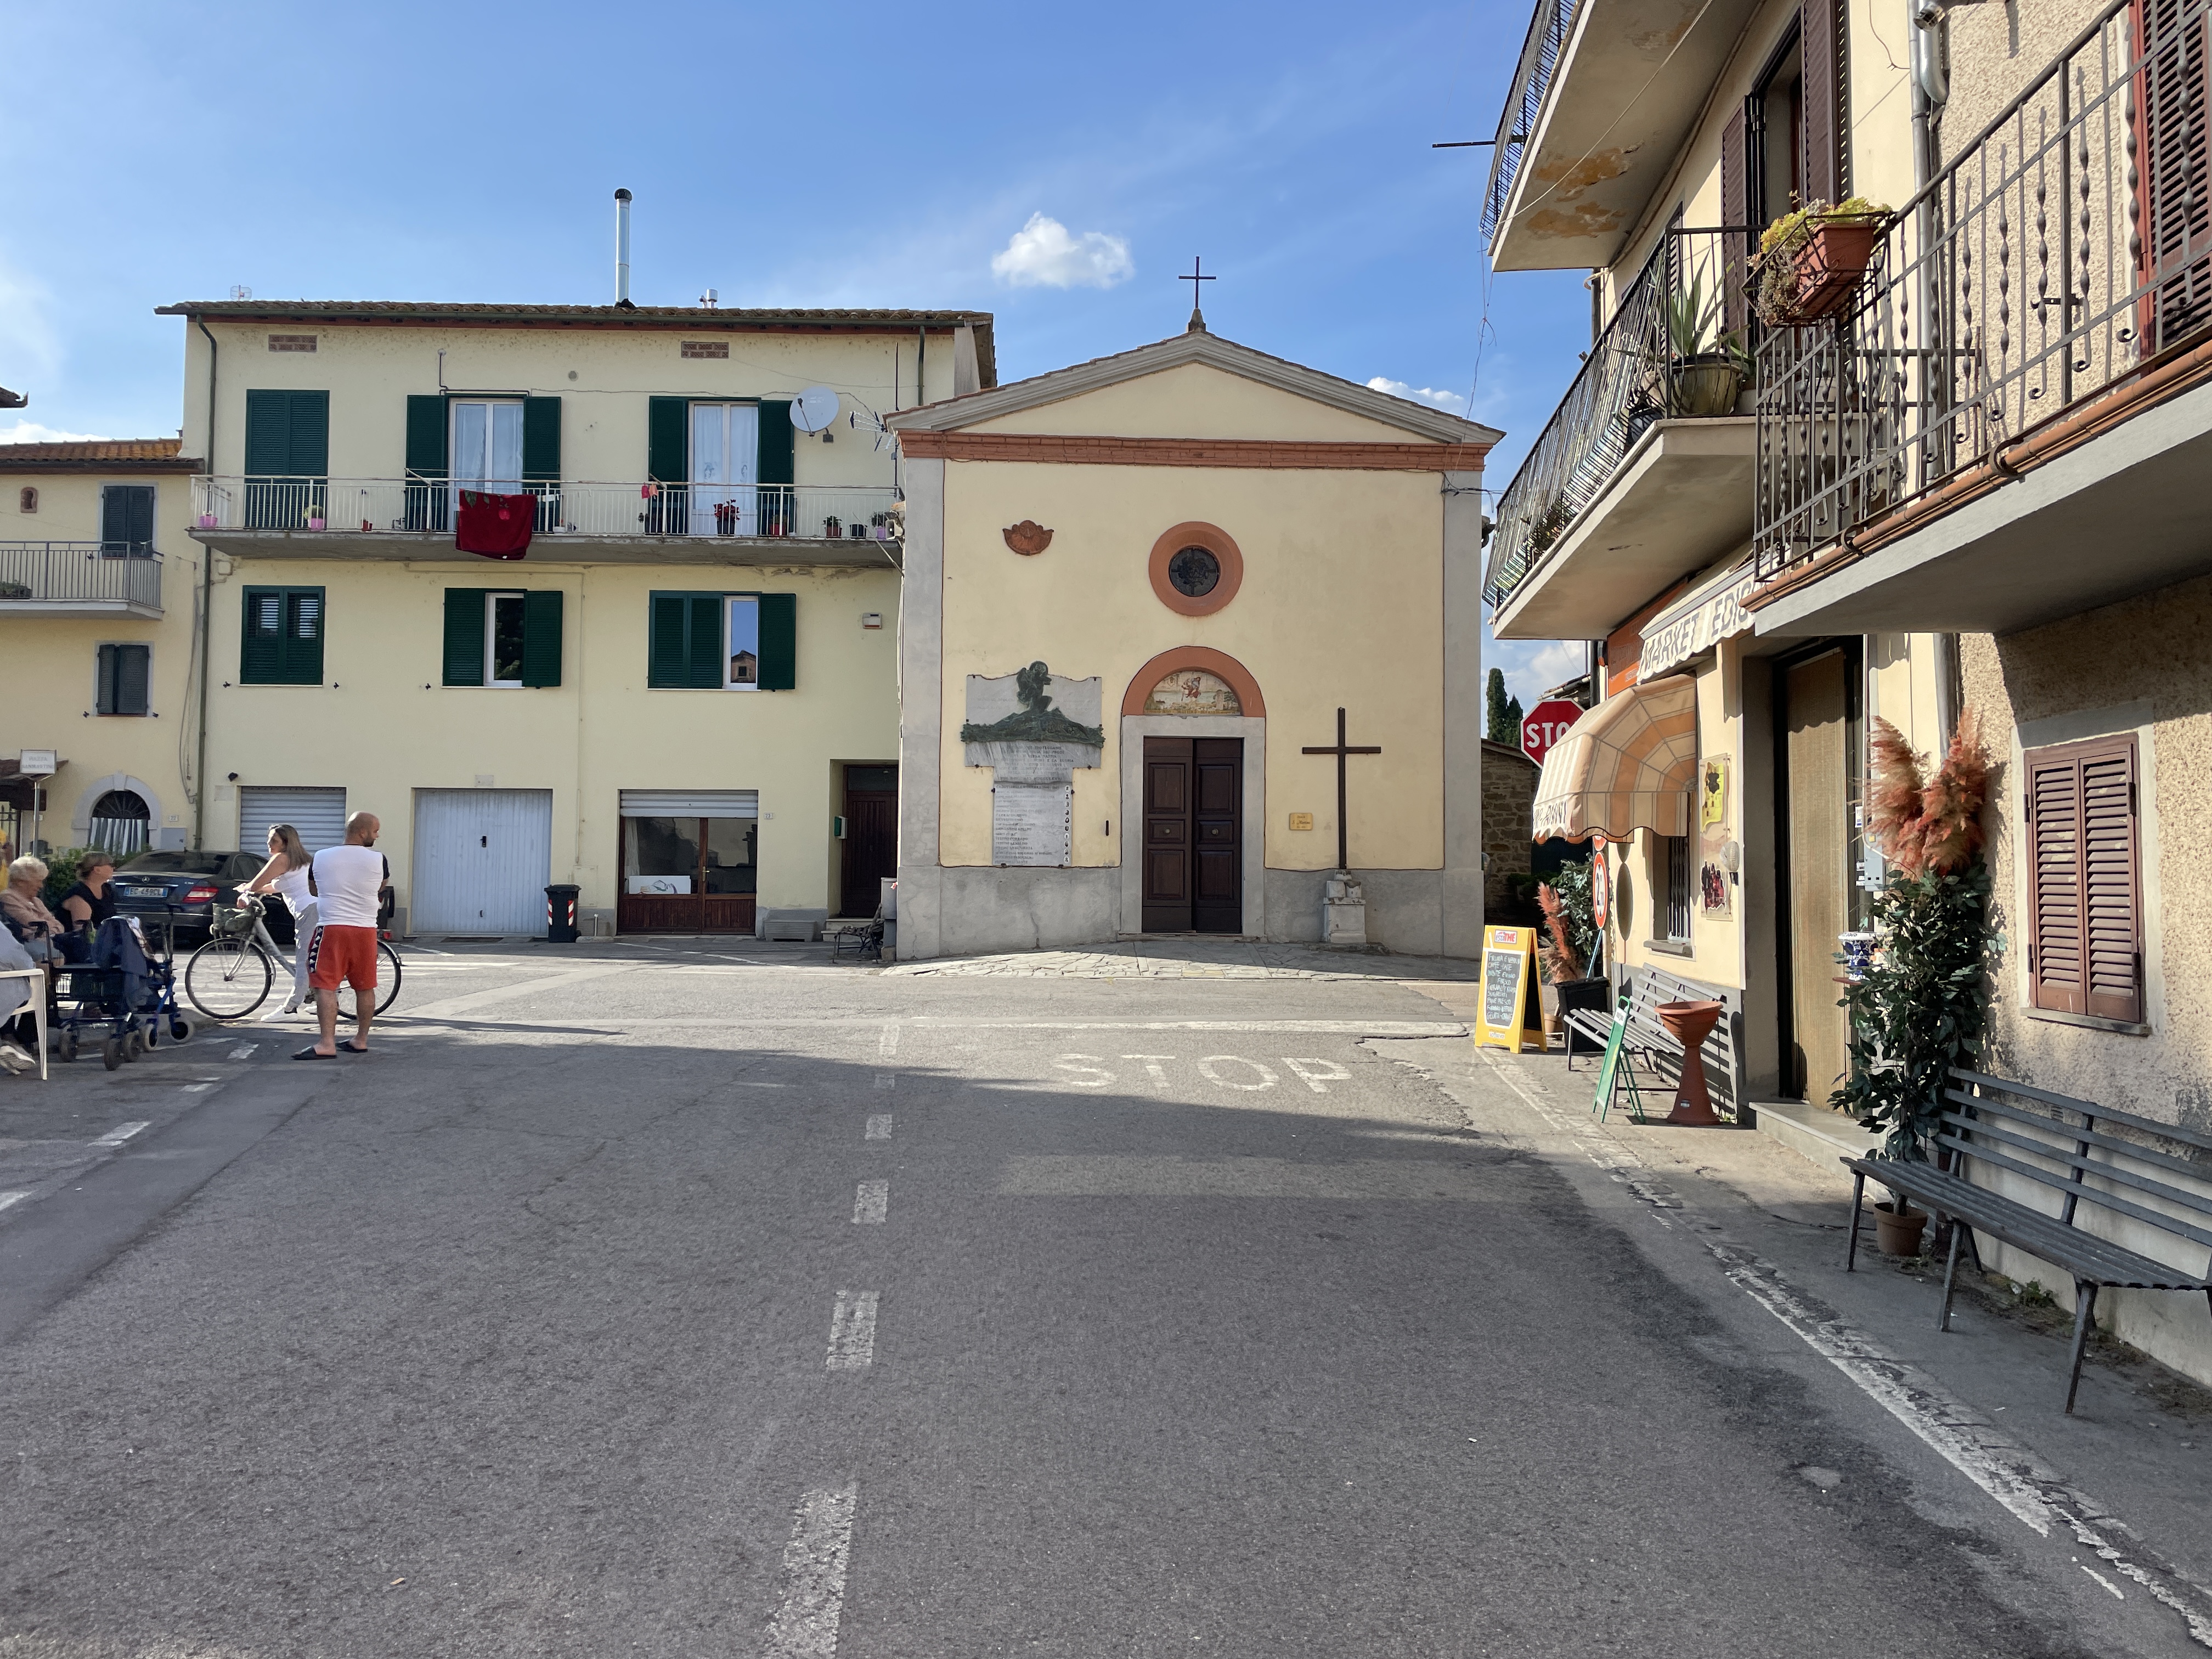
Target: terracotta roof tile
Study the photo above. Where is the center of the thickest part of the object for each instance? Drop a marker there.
(155, 454)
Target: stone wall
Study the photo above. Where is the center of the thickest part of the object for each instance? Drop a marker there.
(1509, 793)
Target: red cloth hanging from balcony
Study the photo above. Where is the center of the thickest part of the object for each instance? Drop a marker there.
(494, 526)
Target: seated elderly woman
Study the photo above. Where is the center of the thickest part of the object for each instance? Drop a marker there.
(26, 913)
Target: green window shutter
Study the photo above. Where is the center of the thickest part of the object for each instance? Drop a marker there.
(427, 423)
(541, 637)
(705, 667)
(267, 433)
(134, 666)
(261, 637)
(106, 695)
(303, 636)
(126, 519)
(779, 641)
(541, 438)
(668, 439)
(310, 423)
(664, 642)
(465, 635)
(775, 462)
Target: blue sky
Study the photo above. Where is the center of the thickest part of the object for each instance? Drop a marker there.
(1055, 165)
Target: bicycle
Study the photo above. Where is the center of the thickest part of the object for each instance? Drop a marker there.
(230, 975)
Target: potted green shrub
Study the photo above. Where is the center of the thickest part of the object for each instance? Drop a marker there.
(1569, 955)
(1812, 259)
(1705, 364)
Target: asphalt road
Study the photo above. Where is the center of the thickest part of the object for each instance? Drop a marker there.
(665, 1301)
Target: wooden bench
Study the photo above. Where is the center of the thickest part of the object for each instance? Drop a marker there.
(2061, 1146)
(1652, 1045)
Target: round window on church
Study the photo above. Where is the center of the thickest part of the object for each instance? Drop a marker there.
(1194, 571)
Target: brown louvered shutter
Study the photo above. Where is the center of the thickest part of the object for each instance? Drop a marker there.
(2176, 94)
(2085, 956)
(1735, 210)
(1820, 137)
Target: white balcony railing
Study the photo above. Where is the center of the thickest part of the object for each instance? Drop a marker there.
(366, 506)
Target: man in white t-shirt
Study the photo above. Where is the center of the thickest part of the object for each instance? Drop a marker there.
(346, 882)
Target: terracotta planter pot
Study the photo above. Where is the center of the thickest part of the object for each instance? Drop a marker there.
(1689, 1024)
(1897, 1234)
(1831, 265)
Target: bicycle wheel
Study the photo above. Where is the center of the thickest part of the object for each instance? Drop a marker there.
(227, 978)
(387, 984)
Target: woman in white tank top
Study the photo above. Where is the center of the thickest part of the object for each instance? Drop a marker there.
(286, 876)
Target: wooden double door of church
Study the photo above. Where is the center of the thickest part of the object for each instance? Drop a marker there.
(1193, 848)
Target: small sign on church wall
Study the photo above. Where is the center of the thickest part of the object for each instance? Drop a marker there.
(1301, 820)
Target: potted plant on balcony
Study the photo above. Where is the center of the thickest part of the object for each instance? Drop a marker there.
(1551, 519)
(1706, 363)
(1812, 260)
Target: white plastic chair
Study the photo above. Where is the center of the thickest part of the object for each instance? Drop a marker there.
(35, 981)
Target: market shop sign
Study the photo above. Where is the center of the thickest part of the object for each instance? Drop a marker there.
(1704, 617)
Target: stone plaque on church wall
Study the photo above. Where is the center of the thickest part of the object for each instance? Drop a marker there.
(1192, 691)
(1032, 823)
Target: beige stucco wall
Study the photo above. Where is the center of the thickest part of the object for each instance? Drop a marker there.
(383, 725)
(49, 665)
(1994, 52)
(1199, 401)
(1341, 603)
(605, 378)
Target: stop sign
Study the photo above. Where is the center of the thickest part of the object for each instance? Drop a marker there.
(1544, 725)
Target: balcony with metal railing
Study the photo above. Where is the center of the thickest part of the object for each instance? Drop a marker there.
(634, 523)
(1644, 473)
(2011, 420)
(80, 579)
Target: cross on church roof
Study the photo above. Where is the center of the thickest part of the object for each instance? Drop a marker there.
(1197, 317)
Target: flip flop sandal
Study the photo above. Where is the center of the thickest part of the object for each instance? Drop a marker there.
(351, 1049)
(309, 1054)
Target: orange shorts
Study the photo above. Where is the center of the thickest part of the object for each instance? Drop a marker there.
(343, 956)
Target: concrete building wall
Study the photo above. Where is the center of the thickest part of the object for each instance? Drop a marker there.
(383, 725)
(49, 665)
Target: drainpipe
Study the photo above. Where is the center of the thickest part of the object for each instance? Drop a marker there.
(207, 608)
(1931, 90)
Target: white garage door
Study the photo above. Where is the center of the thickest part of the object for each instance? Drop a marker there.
(318, 815)
(482, 859)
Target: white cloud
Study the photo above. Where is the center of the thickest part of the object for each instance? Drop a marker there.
(30, 432)
(1041, 254)
(1450, 402)
(1534, 667)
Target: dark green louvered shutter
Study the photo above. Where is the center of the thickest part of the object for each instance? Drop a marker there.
(776, 466)
(261, 646)
(668, 439)
(705, 667)
(303, 636)
(127, 519)
(465, 635)
(267, 433)
(427, 434)
(665, 642)
(779, 641)
(541, 637)
(306, 452)
(133, 674)
(104, 703)
(541, 439)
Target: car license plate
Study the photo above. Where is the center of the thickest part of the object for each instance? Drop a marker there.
(146, 892)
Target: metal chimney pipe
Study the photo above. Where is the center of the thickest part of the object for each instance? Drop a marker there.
(622, 248)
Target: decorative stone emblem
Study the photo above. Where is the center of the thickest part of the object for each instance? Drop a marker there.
(1029, 538)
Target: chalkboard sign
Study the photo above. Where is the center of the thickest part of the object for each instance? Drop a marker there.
(1511, 1017)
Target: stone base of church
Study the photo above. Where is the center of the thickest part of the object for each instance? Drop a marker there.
(979, 909)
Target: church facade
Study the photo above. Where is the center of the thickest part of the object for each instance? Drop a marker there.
(1189, 643)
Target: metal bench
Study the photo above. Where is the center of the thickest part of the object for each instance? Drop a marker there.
(2061, 1146)
(1651, 1045)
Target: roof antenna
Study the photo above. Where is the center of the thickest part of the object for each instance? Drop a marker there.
(621, 252)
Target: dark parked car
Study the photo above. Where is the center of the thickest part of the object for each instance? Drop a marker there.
(191, 884)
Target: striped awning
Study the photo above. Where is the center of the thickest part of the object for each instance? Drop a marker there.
(1624, 766)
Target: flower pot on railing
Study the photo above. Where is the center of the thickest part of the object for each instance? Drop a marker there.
(207, 521)
(317, 524)
(1811, 262)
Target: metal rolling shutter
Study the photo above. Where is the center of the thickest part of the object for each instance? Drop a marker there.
(481, 858)
(318, 815)
(690, 803)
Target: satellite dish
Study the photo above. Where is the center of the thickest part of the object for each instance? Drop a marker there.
(814, 409)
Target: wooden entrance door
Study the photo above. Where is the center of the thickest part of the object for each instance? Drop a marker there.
(1193, 838)
(871, 851)
(1817, 844)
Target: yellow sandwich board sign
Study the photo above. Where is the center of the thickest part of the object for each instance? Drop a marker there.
(1511, 1017)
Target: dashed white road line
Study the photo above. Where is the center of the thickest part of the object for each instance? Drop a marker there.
(853, 1331)
(805, 1623)
(9, 1199)
(872, 1201)
(119, 1134)
(196, 1088)
(879, 1126)
(887, 1080)
(887, 1044)
(244, 1051)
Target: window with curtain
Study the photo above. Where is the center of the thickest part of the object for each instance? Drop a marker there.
(725, 462)
(487, 445)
